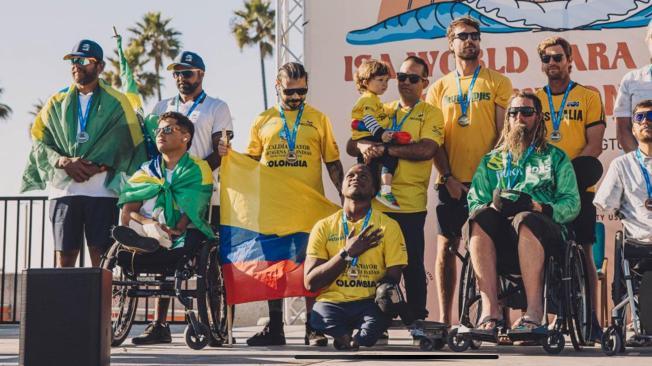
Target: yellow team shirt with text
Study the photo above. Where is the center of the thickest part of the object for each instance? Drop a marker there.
(315, 143)
(327, 240)
(368, 104)
(465, 146)
(411, 178)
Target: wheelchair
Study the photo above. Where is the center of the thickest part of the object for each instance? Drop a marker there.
(132, 281)
(566, 295)
(627, 292)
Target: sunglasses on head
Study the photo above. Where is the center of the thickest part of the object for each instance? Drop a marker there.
(463, 36)
(300, 91)
(82, 61)
(414, 78)
(183, 73)
(640, 117)
(558, 57)
(525, 111)
(167, 130)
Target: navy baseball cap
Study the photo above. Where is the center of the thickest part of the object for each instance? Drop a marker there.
(86, 48)
(188, 59)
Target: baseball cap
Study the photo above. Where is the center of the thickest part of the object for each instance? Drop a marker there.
(86, 48)
(188, 59)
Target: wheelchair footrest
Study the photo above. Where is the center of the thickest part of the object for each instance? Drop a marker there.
(526, 336)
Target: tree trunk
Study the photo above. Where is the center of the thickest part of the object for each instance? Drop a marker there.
(157, 67)
(262, 72)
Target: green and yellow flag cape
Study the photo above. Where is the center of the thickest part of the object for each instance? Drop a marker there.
(116, 139)
(189, 191)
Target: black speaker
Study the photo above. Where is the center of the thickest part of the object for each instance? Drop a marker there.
(65, 317)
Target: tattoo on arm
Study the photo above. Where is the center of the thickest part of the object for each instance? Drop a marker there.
(336, 172)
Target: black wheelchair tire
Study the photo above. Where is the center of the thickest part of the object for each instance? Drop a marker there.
(469, 301)
(126, 306)
(578, 296)
(211, 296)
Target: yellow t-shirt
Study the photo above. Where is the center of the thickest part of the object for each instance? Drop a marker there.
(583, 109)
(327, 240)
(368, 104)
(466, 146)
(411, 178)
(315, 142)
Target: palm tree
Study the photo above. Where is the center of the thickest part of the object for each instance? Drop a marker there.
(5, 110)
(147, 81)
(36, 107)
(255, 25)
(158, 40)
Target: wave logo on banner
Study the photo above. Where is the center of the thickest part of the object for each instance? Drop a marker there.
(266, 218)
(401, 20)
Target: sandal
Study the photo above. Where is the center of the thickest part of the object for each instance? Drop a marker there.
(528, 326)
(491, 331)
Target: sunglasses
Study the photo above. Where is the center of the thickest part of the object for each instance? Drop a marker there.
(546, 58)
(300, 91)
(167, 130)
(640, 117)
(183, 73)
(414, 78)
(463, 36)
(82, 61)
(525, 111)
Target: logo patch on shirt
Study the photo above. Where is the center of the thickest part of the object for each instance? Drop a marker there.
(573, 104)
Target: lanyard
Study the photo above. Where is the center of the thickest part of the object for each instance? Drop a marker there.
(646, 174)
(199, 99)
(83, 118)
(507, 172)
(398, 126)
(465, 102)
(291, 137)
(557, 115)
(345, 227)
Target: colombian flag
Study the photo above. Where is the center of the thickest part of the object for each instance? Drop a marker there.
(265, 218)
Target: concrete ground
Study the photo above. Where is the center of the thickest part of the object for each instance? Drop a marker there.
(178, 353)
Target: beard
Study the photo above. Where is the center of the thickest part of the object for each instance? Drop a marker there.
(83, 77)
(517, 140)
(292, 104)
(187, 88)
(469, 55)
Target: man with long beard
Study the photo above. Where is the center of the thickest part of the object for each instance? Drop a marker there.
(473, 100)
(521, 194)
(210, 116)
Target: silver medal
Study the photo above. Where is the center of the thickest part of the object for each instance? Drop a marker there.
(82, 137)
(291, 157)
(555, 136)
(463, 120)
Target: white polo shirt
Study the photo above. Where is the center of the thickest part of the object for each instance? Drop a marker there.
(623, 189)
(635, 86)
(210, 116)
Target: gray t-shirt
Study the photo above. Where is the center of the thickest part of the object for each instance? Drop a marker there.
(623, 189)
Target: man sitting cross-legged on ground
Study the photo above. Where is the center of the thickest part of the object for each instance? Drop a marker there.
(164, 204)
(350, 254)
(521, 194)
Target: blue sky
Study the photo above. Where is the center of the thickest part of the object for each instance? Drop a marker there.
(36, 35)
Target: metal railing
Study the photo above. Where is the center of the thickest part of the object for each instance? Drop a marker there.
(27, 243)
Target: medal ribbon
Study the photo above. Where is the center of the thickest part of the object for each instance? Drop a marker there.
(646, 174)
(557, 115)
(507, 171)
(291, 137)
(345, 227)
(83, 118)
(465, 102)
(398, 126)
(199, 99)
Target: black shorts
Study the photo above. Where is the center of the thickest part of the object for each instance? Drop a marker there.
(503, 233)
(584, 224)
(74, 217)
(451, 213)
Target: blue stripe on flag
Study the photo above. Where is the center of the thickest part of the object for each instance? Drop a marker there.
(241, 245)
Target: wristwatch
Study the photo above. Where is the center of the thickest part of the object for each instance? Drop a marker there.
(444, 178)
(345, 255)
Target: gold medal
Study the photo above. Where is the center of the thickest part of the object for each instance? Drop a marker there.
(353, 272)
(291, 157)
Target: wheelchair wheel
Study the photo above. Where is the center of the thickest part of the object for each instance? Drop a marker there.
(211, 297)
(578, 296)
(554, 342)
(469, 301)
(123, 307)
(457, 342)
(196, 340)
(612, 341)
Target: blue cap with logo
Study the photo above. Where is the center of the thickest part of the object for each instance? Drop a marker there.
(188, 59)
(86, 48)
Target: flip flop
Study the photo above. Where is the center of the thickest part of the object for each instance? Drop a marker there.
(522, 327)
(492, 331)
